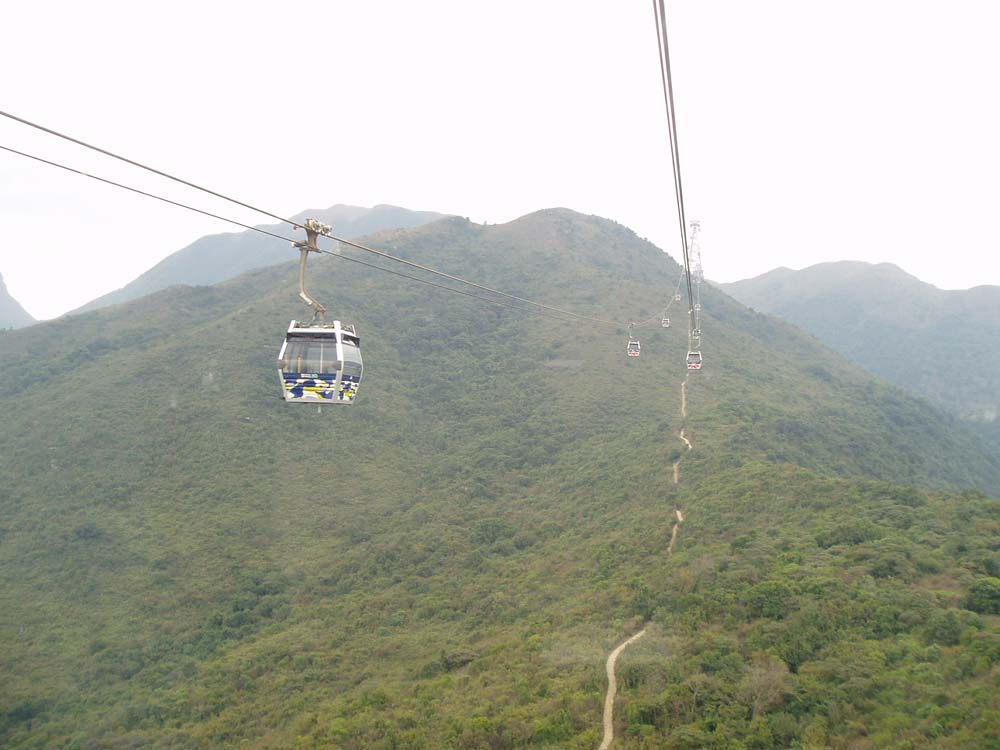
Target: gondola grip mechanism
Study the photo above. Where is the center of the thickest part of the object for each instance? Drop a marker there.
(313, 229)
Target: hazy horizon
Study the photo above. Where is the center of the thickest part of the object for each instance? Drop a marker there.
(793, 152)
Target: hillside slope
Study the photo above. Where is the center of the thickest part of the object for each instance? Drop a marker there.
(941, 345)
(218, 257)
(188, 562)
(12, 315)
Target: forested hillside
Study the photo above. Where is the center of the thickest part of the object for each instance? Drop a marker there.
(941, 345)
(219, 257)
(188, 562)
(12, 315)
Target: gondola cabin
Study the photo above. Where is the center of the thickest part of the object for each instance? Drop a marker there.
(694, 360)
(665, 323)
(633, 349)
(320, 363)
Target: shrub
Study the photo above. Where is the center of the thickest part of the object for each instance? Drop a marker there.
(984, 596)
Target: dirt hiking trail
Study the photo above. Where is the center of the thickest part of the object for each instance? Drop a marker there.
(674, 530)
(609, 699)
(682, 434)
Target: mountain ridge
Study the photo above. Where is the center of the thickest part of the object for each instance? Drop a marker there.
(12, 314)
(188, 561)
(943, 345)
(215, 258)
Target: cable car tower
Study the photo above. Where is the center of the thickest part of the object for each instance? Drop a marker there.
(694, 359)
(319, 362)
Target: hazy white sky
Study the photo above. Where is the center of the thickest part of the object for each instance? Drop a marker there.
(809, 131)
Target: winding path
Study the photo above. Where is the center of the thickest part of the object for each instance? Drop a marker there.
(609, 699)
(681, 434)
(673, 531)
(683, 437)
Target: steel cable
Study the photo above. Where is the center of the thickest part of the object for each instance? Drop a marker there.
(550, 312)
(297, 225)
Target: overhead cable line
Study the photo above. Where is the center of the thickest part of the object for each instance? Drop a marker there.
(143, 192)
(297, 225)
(481, 287)
(125, 159)
(554, 313)
(659, 13)
(670, 302)
(647, 321)
(434, 284)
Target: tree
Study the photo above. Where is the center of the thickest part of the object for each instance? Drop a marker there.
(765, 684)
(944, 628)
(984, 596)
(772, 599)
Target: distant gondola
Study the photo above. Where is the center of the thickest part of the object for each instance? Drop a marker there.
(633, 349)
(320, 363)
(694, 361)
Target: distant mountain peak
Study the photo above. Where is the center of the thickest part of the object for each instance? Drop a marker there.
(12, 314)
(219, 257)
(897, 326)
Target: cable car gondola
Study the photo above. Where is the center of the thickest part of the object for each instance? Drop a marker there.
(694, 361)
(665, 323)
(632, 347)
(320, 363)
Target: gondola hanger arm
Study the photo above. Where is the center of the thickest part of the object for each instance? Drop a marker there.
(313, 229)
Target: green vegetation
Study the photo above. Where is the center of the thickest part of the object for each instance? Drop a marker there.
(941, 345)
(840, 624)
(188, 562)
